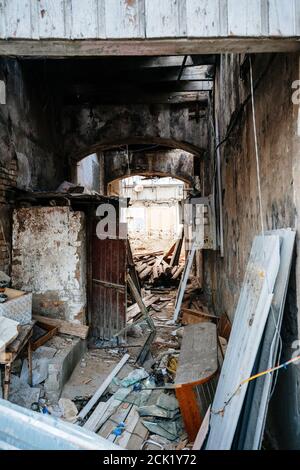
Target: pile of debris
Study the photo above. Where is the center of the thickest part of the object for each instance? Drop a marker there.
(158, 269)
(152, 269)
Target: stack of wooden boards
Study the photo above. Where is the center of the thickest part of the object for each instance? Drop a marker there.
(154, 301)
(157, 269)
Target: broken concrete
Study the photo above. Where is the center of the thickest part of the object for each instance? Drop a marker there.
(62, 365)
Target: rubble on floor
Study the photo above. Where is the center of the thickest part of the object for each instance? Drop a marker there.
(159, 269)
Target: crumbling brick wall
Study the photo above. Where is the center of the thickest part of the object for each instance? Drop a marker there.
(8, 179)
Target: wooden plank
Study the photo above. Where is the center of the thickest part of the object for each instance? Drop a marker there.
(203, 431)
(108, 87)
(124, 19)
(178, 247)
(134, 309)
(51, 331)
(183, 282)
(18, 19)
(64, 327)
(2, 21)
(93, 422)
(203, 18)
(244, 18)
(118, 417)
(137, 296)
(84, 22)
(248, 326)
(9, 330)
(87, 408)
(178, 272)
(130, 423)
(198, 355)
(199, 313)
(138, 437)
(100, 48)
(163, 20)
(129, 97)
(282, 19)
(165, 64)
(51, 19)
(190, 319)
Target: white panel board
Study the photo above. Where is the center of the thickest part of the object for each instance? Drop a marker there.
(124, 18)
(165, 19)
(268, 354)
(248, 326)
(18, 19)
(84, 19)
(244, 18)
(282, 17)
(51, 19)
(203, 18)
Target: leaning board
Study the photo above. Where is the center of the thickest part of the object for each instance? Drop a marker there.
(249, 323)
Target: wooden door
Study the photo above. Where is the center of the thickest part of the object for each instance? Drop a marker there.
(108, 285)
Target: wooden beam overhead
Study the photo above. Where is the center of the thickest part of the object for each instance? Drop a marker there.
(141, 47)
(166, 74)
(137, 87)
(118, 98)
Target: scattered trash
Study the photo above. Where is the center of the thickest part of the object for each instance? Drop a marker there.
(135, 376)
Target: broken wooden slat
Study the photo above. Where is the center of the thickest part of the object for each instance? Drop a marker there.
(144, 274)
(203, 431)
(183, 282)
(130, 423)
(87, 408)
(176, 254)
(140, 267)
(131, 314)
(138, 437)
(199, 313)
(93, 422)
(110, 424)
(64, 327)
(178, 272)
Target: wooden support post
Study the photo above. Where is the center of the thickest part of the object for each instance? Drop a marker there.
(29, 350)
(7, 375)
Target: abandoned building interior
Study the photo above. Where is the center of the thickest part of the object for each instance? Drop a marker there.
(149, 226)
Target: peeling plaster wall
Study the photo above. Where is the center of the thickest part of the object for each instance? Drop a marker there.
(279, 150)
(49, 259)
(88, 129)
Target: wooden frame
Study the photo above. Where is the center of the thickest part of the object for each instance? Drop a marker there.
(51, 331)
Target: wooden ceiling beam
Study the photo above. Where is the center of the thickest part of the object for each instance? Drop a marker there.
(138, 87)
(117, 97)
